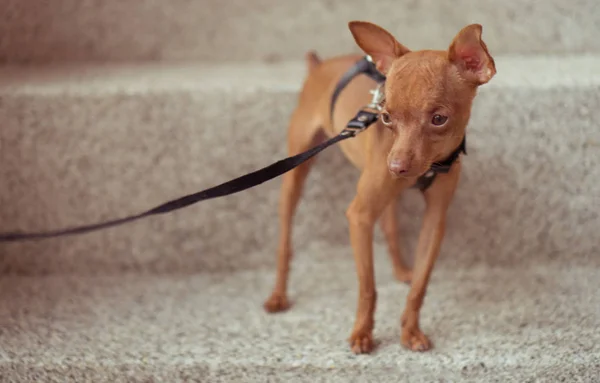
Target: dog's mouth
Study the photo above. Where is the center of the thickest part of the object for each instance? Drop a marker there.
(406, 175)
(397, 176)
(412, 173)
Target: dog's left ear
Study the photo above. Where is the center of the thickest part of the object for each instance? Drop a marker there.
(470, 54)
(377, 43)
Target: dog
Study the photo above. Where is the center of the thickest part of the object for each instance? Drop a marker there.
(426, 106)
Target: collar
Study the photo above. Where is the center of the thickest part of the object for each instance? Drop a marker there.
(424, 181)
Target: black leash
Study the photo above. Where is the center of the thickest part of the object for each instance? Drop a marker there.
(236, 185)
(362, 120)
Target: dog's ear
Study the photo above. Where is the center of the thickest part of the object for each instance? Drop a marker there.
(377, 43)
(470, 55)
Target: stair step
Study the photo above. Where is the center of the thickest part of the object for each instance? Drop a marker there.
(486, 324)
(75, 30)
(86, 143)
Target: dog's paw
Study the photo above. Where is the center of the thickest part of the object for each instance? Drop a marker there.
(276, 303)
(415, 340)
(361, 342)
(403, 275)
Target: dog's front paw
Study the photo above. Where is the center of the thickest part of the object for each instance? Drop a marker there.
(361, 342)
(276, 303)
(414, 339)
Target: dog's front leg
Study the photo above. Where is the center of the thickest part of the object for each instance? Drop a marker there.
(375, 190)
(438, 198)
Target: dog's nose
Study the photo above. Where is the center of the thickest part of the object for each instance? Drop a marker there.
(399, 167)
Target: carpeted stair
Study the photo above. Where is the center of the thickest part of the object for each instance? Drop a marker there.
(110, 108)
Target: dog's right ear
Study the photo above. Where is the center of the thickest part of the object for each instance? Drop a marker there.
(377, 43)
(471, 56)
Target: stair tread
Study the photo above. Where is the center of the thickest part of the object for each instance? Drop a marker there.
(513, 71)
(150, 77)
(526, 190)
(68, 30)
(530, 320)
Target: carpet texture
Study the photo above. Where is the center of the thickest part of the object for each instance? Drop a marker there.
(488, 324)
(82, 145)
(106, 30)
(514, 296)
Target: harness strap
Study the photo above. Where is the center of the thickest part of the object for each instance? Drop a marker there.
(425, 181)
(363, 66)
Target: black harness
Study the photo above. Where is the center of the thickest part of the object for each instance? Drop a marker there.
(363, 119)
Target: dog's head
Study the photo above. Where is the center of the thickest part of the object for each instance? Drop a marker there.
(428, 94)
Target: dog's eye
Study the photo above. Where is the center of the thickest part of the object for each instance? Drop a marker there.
(439, 120)
(386, 119)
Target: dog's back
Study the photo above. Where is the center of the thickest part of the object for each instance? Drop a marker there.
(317, 91)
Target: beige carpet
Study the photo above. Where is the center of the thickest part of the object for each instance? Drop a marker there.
(519, 324)
(178, 298)
(87, 143)
(76, 30)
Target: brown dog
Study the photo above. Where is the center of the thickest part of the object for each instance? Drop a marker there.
(426, 107)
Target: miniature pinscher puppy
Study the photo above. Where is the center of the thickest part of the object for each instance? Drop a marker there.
(425, 111)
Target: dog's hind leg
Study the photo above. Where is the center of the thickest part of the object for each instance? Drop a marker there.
(389, 227)
(303, 134)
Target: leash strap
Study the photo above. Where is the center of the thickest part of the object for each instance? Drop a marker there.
(236, 185)
(363, 119)
(360, 122)
(363, 66)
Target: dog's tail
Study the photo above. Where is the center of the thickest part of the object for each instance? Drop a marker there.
(312, 60)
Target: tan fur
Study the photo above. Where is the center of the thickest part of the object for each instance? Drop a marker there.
(419, 85)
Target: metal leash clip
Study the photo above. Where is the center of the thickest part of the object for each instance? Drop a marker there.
(377, 99)
(360, 122)
(365, 118)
